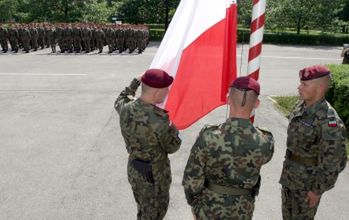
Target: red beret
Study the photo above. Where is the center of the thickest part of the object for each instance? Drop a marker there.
(246, 83)
(313, 72)
(157, 78)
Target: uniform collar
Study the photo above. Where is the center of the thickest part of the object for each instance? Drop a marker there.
(151, 107)
(313, 109)
(239, 122)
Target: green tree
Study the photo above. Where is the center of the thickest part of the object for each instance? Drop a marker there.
(244, 12)
(147, 11)
(97, 11)
(300, 14)
(8, 10)
(344, 11)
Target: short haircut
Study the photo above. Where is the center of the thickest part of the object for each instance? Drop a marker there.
(237, 98)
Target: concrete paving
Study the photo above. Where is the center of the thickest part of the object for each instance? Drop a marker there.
(62, 155)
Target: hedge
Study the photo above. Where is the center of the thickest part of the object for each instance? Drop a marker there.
(157, 33)
(338, 95)
(298, 39)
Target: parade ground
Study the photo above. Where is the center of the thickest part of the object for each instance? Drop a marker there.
(62, 155)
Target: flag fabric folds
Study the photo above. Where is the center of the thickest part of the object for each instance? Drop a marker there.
(199, 51)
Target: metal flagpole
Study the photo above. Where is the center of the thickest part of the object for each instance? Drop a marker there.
(256, 38)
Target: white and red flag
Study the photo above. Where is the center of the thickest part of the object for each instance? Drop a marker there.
(199, 51)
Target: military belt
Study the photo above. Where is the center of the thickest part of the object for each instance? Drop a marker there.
(157, 165)
(307, 161)
(233, 191)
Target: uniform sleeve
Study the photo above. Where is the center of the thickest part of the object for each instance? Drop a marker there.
(194, 176)
(268, 139)
(170, 140)
(126, 95)
(332, 158)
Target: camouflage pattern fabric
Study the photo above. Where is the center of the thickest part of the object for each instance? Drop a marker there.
(149, 137)
(3, 39)
(314, 132)
(13, 38)
(294, 205)
(34, 38)
(230, 155)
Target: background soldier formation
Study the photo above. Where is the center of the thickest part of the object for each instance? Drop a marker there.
(75, 37)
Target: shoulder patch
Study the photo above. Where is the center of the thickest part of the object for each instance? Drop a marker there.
(331, 117)
(209, 127)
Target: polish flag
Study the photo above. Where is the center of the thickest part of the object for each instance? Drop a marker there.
(199, 51)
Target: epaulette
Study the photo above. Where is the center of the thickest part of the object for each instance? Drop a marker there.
(264, 130)
(209, 128)
(161, 112)
(130, 97)
(331, 117)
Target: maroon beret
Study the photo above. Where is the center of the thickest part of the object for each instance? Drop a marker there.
(313, 72)
(246, 83)
(157, 78)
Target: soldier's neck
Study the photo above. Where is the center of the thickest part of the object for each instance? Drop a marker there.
(309, 103)
(241, 113)
(147, 99)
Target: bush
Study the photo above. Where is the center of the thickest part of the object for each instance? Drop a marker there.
(157, 32)
(338, 95)
(298, 39)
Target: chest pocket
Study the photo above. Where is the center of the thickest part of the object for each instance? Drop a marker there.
(304, 133)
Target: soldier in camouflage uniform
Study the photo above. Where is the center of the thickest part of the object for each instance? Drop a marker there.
(100, 37)
(13, 38)
(149, 138)
(69, 38)
(51, 37)
(3, 38)
(221, 178)
(316, 151)
(345, 54)
(86, 38)
(34, 37)
(77, 38)
(25, 37)
(42, 36)
(110, 39)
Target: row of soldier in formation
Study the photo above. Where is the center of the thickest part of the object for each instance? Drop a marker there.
(74, 37)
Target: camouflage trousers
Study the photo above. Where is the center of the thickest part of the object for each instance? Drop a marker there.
(215, 206)
(294, 206)
(152, 198)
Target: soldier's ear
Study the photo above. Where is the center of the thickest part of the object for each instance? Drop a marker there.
(256, 105)
(228, 99)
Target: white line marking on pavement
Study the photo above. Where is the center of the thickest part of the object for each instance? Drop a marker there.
(300, 58)
(43, 74)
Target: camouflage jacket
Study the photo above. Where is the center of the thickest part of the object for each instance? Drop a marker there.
(146, 128)
(230, 154)
(314, 132)
(3, 33)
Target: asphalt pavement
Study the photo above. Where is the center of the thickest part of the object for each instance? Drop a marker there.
(62, 155)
